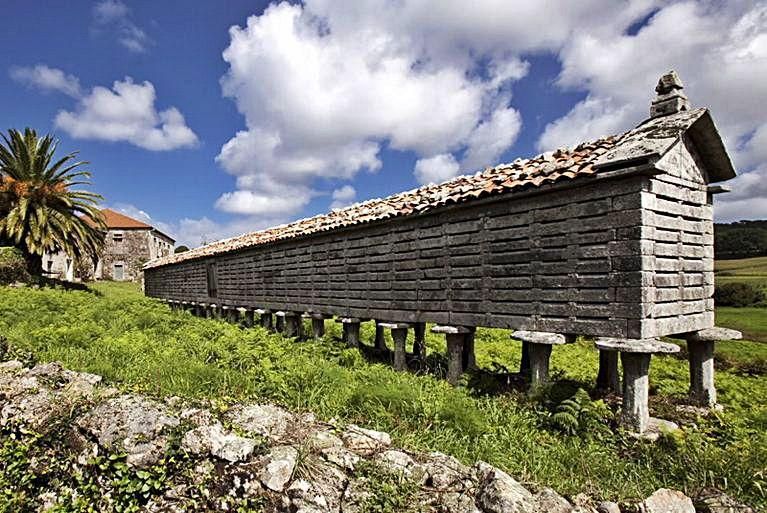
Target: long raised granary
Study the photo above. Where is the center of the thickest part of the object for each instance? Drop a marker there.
(611, 238)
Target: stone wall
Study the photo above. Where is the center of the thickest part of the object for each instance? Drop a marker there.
(132, 252)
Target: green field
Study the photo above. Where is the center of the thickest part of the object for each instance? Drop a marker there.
(746, 270)
(140, 345)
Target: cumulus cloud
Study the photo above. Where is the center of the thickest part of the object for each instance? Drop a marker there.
(343, 196)
(436, 169)
(114, 17)
(47, 79)
(127, 113)
(719, 50)
(323, 87)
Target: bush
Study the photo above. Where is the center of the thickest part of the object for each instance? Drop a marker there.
(13, 267)
(738, 294)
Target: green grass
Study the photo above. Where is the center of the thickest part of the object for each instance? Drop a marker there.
(752, 321)
(139, 344)
(745, 270)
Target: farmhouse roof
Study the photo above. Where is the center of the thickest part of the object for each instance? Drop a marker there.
(633, 151)
(116, 221)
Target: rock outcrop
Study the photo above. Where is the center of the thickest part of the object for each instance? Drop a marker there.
(118, 452)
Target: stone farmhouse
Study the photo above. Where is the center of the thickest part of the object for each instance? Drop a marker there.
(611, 240)
(128, 245)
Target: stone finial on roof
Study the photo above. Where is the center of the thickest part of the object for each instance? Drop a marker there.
(670, 98)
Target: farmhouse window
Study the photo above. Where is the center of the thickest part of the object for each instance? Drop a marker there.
(117, 236)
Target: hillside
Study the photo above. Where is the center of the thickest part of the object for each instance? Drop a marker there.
(741, 239)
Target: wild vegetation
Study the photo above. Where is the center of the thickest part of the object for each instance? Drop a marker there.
(562, 437)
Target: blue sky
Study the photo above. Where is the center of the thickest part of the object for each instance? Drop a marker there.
(209, 131)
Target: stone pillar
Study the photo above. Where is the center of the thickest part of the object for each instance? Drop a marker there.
(700, 354)
(539, 345)
(380, 340)
(636, 389)
(279, 324)
(351, 331)
(540, 356)
(318, 328)
(264, 318)
(469, 358)
(293, 325)
(215, 313)
(228, 314)
(456, 337)
(524, 364)
(635, 357)
(419, 341)
(399, 334)
(248, 317)
(608, 378)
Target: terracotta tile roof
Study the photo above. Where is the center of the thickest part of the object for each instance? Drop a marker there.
(560, 165)
(115, 220)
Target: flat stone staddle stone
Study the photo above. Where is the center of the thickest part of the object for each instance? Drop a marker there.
(540, 337)
(450, 330)
(714, 335)
(636, 345)
(394, 325)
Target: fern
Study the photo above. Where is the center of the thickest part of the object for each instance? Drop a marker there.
(579, 415)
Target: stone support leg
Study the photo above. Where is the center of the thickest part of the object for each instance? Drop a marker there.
(318, 328)
(249, 318)
(279, 323)
(455, 347)
(352, 334)
(608, 378)
(636, 387)
(469, 359)
(380, 340)
(293, 325)
(265, 320)
(701, 358)
(524, 366)
(539, 355)
(419, 341)
(400, 336)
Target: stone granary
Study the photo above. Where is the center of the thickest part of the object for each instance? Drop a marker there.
(612, 239)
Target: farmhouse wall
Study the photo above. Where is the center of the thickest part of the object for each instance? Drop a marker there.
(127, 247)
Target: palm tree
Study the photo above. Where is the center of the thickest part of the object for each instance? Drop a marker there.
(39, 209)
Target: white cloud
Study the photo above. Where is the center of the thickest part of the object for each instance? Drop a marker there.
(324, 87)
(47, 79)
(720, 52)
(343, 197)
(114, 17)
(436, 169)
(127, 113)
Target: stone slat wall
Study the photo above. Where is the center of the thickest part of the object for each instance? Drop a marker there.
(564, 261)
(680, 232)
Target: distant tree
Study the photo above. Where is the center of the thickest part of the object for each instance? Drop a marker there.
(742, 239)
(39, 209)
(181, 249)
